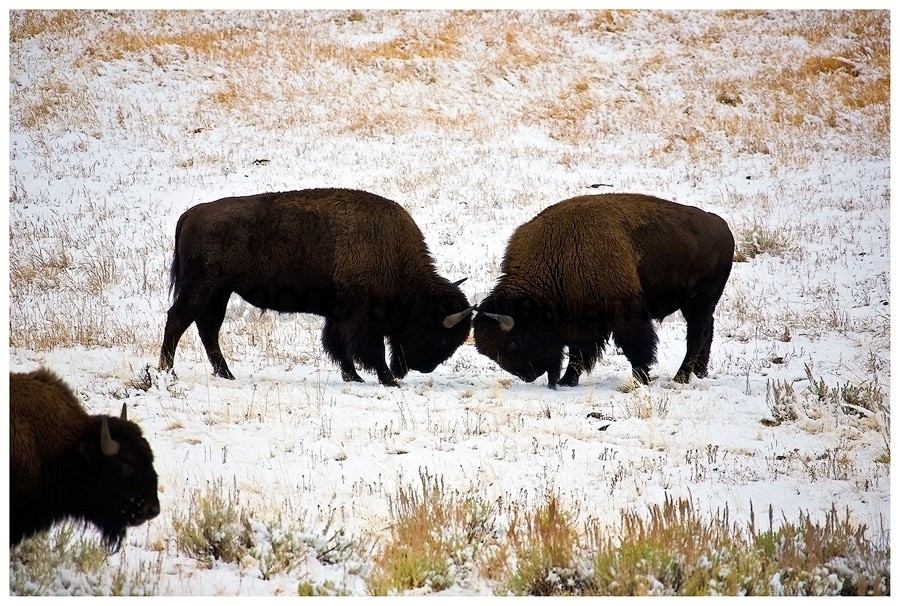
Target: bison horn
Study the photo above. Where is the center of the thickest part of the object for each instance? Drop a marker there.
(458, 282)
(109, 446)
(454, 319)
(506, 322)
(124, 415)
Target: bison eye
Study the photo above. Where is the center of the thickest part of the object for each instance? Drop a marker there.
(127, 469)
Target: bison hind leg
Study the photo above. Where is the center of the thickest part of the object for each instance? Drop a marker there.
(209, 322)
(699, 344)
(178, 318)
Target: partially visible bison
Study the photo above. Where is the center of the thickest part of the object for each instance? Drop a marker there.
(594, 266)
(351, 256)
(64, 463)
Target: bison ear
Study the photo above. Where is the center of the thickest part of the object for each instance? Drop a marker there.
(124, 415)
(88, 452)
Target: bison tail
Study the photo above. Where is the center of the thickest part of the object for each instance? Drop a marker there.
(174, 270)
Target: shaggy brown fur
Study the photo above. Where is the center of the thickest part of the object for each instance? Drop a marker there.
(58, 468)
(353, 257)
(594, 266)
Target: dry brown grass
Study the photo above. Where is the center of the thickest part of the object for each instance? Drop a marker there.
(68, 271)
(860, 25)
(27, 24)
(440, 45)
(229, 44)
(513, 53)
(822, 84)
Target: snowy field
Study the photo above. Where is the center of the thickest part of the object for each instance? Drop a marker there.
(474, 122)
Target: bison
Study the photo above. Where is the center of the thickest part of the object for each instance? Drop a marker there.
(600, 265)
(355, 258)
(64, 463)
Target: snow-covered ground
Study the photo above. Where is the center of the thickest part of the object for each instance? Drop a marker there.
(474, 122)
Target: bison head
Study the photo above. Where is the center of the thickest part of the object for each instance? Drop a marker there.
(119, 480)
(519, 337)
(439, 322)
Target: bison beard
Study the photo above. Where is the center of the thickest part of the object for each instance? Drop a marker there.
(594, 267)
(357, 259)
(66, 464)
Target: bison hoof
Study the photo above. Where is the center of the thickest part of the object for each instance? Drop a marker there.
(224, 373)
(389, 381)
(569, 381)
(351, 377)
(682, 377)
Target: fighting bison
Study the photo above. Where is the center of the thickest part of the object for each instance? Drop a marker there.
(64, 463)
(351, 256)
(594, 266)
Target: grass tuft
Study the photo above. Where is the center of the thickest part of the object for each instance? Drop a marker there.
(758, 239)
(435, 535)
(545, 547)
(213, 529)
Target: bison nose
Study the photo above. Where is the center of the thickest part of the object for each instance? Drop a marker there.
(150, 510)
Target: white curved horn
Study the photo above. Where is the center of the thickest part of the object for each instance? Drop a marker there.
(506, 322)
(454, 319)
(108, 446)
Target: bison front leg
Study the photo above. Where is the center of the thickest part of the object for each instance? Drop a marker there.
(581, 359)
(553, 378)
(349, 341)
(637, 338)
(371, 356)
(335, 345)
(349, 374)
(574, 369)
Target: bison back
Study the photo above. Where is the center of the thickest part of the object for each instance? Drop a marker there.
(317, 240)
(614, 247)
(44, 417)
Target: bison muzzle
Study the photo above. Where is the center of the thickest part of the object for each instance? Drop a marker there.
(355, 258)
(66, 464)
(592, 267)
